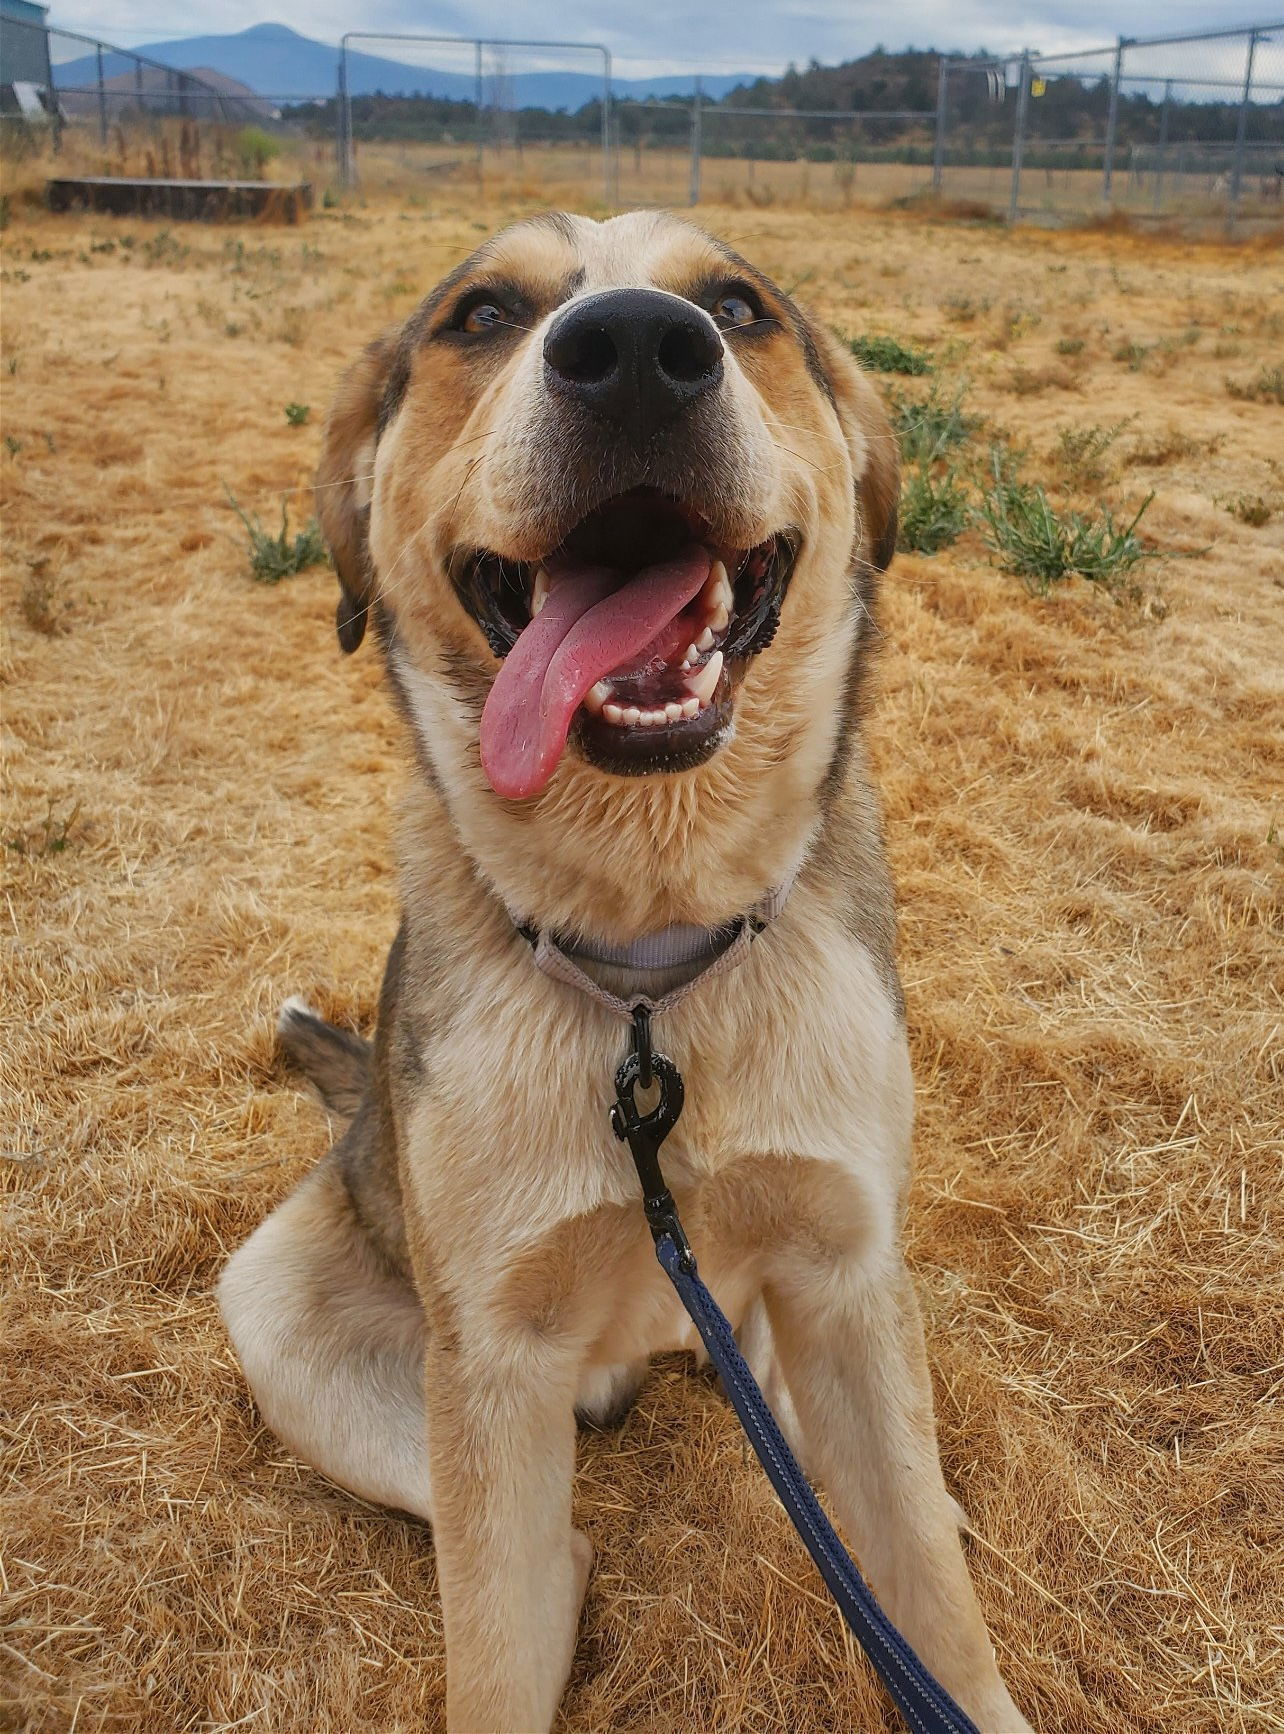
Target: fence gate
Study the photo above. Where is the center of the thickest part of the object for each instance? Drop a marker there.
(535, 110)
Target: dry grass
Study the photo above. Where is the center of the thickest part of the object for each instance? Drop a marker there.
(1086, 821)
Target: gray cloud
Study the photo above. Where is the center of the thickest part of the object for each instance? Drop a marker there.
(672, 35)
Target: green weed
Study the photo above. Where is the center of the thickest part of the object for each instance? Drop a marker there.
(50, 835)
(1268, 387)
(281, 556)
(883, 354)
(928, 428)
(1252, 509)
(1080, 451)
(934, 510)
(297, 413)
(1044, 547)
(165, 249)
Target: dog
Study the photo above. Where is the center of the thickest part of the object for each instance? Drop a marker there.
(615, 509)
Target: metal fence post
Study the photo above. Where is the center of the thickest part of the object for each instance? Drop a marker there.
(341, 120)
(607, 178)
(1018, 135)
(1241, 130)
(477, 99)
(697, 124)
(1112, 124)
(1163, 145)
(102, 100)
(938, 148)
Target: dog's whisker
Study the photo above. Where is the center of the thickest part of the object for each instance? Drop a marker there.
(820, 469)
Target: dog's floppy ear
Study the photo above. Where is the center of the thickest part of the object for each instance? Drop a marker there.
(872, 444)
(345, 482)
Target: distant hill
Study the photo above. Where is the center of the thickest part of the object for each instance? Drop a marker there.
(276, 61)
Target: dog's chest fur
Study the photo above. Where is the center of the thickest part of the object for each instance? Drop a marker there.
(487, 1144)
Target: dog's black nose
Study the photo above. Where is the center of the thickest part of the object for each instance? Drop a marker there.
(636, 356)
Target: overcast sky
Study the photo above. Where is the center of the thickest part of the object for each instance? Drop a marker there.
(677, 35)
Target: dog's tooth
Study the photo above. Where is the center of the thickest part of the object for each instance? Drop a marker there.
(704, 642)
(632, 715)
(690, 708)
(704, 684)
(719, 620)
(539, 592)
(718, 589)
(596, 697)
(613, 714)
(672, 711)
(693, 650)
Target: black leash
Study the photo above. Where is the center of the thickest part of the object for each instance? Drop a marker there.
(925, 1704)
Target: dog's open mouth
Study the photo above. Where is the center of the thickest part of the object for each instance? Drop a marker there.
(629, 633)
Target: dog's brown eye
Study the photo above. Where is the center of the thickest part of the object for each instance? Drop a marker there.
(731, 310)
(483, 316)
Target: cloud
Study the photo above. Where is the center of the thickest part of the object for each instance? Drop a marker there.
(669, 35)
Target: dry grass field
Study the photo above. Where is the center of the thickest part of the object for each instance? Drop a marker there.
(1085, 811)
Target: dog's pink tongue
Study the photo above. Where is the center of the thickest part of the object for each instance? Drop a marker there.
(590, 625)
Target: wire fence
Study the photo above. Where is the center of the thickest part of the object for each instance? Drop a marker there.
(56, 79)
(1167, 126)
(503, 97)
(1187, 126)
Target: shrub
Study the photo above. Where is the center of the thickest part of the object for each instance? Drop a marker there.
(255, 149)
(297, 413)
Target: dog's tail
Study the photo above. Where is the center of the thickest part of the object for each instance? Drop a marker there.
(334, 1060)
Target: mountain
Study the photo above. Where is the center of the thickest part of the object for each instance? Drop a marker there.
(276, 61)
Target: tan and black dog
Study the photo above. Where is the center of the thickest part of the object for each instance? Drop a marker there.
(614, 509)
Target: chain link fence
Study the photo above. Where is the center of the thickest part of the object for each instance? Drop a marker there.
(536, 112)
(57, 79)
(1188, 127)
(1182, 126)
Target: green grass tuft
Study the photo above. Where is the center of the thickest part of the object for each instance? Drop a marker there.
(281, 556)
(1081, 451)
(1044, 547)
(934, 510)
(297, 413)
(926, 430)
(1267, 387)
(883, 354)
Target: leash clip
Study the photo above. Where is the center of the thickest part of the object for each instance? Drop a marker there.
(645, 1130)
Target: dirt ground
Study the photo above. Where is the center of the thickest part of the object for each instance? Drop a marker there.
(1085, 811)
